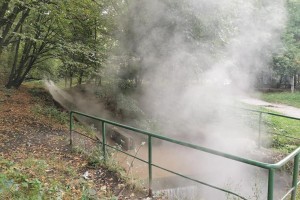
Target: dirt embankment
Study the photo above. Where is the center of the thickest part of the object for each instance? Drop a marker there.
(24, 135)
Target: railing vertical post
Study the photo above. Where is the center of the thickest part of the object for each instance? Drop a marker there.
(295, 176)
(271, 184)
(150, 164)
(71, 128)
(259, 130)
(104, 140)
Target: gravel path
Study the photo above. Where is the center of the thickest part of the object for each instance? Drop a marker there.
(282, 108)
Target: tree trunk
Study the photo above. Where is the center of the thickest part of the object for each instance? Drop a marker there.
(71, 80)
(100, 81)
(7, 26)
(295, 81)
(293, 84)
(279, 83)
(21, 67)
(66, 81)
(80, 77)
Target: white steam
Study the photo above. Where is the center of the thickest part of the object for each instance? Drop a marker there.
(197, 57)
(79, 99)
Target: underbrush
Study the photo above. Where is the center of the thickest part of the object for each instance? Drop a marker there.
(52, 113)
(35, 179)
(44, 105)
(95, 157)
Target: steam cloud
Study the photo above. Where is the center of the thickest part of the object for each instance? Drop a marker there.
(197, 58)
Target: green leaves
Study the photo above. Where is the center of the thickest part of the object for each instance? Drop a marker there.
(287, 61)
(74, 31)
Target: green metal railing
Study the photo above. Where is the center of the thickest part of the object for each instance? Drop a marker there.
(273, 114)
(270, 167)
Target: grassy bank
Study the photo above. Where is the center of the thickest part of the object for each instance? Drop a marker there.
(285, 133)
(280, 128)
(288, 98)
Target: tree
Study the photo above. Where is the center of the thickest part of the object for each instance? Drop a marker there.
(86, 40)
(12, 16)
(73, 31)
(286, 63)
(34, 41)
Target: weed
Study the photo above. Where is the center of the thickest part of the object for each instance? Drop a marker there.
(4, 164)
(130, 166)
(70, 171)
(15, 185)
(88, 193)
(35, 92)
(95, 159)
(39, 166)
(84, 129)
(52, 113)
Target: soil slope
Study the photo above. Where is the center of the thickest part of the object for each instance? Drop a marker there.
(28, 138)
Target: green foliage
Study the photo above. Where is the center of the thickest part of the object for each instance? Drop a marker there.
(46, 69)
(52, 113)
(54, 38)
(129, 107)
(287, 62)
(127, 85)
(16, 185)
(86, 38)
(138, 45)
(122, 103)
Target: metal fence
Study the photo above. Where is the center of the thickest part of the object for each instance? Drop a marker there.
(270, 167)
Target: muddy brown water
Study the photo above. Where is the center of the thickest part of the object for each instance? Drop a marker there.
(214, 170)
(198, 165)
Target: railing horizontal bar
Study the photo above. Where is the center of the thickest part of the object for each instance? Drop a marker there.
(204, 149)
(206, 184)
(94, 139)
(269, 113)
(287, 158)
(127, 153)
(229, 192)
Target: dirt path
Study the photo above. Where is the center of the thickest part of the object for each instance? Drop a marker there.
(282, 108)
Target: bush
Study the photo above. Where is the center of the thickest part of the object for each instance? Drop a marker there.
(128, 107)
